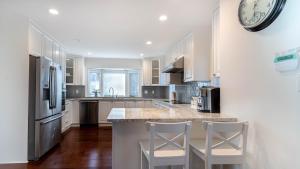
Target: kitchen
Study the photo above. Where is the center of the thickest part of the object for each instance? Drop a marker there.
(127, 63)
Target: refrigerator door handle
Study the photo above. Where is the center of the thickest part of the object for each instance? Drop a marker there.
(50, 87)
(54, 86)
(45, 122)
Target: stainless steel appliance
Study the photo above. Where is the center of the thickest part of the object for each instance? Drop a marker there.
(209, 100)
(89, 113)
(176, 67)
(45, 106)
(175, 71)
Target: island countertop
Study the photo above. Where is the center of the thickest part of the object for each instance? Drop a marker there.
(175, 113)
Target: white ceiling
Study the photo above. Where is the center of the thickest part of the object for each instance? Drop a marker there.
(118, 28)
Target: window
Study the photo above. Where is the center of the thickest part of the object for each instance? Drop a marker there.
(108, 82)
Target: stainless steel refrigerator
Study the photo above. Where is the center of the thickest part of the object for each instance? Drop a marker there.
(45, 106)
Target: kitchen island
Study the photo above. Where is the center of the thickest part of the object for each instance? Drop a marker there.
(129, 128)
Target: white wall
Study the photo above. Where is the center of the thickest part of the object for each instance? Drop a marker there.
(252, 90)
(113, 63)
(13, 86)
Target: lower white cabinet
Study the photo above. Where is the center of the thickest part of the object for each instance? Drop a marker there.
(140, 104)
(118, 104)
(67, 116)
(130, 104)
(104, 110)
(148, 104)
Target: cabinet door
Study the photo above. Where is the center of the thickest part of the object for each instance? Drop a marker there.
(215, 43)
(75, 115)
(130, 104)
(146, 72)
(35, 41)
(188, 59)
(118, 104)
(104, 110)
(63, 64)
(79, 71)
(148, 104)
(47, 47)
(140, 104)
(56, 53)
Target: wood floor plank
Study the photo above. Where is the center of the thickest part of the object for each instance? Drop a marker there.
(81, 148)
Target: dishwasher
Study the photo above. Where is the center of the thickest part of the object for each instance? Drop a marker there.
(88, 113)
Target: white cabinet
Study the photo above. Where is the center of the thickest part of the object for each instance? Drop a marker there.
(215, 68)
(47, 47)
(40, 44)
(118, 104)
(197, 56)
(148, 104)
(151, 71)
(35, 41)
(75, 113)
(75, 71)
(130, 104)
(56, 53)
(104, 110)
(140, 104)
(67, 116)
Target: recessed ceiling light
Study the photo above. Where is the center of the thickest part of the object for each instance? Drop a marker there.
(89, 53)
(57, 52)
(142, 54)
(163, 18)
(53, 11)
(149, 43)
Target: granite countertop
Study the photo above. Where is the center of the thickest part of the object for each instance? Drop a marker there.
(174, 113)
(111, 99)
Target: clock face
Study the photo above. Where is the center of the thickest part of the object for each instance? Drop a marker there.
(252, 13)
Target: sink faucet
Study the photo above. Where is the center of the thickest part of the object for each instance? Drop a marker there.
(113, 91)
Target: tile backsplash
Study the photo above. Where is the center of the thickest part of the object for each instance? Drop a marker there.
(185, 92)
(75, 91)
(155, 92)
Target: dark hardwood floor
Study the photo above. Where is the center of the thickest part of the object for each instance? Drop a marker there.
(81, 148)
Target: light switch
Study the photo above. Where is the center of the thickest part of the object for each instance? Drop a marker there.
(77, 91)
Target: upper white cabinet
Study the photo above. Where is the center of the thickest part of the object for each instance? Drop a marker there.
(47, 49)
(195, 48)
(151, 71)
(215, 44)
(75, 70)
(41, 44)
(35, 41)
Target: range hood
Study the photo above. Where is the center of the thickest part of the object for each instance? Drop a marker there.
(175, 67)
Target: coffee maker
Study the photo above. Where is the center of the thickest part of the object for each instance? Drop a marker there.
(209, 100)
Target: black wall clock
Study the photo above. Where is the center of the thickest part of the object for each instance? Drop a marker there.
(256, 15)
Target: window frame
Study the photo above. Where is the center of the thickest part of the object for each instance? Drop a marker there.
(127, 72)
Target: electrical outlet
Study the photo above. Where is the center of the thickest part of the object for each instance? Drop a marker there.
(146, 92)
(298, 81)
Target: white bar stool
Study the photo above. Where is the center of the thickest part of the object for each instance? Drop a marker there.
(225, 143)
(162, 148)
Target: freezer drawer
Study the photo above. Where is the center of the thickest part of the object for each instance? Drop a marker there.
(88, 113)
(47, 135)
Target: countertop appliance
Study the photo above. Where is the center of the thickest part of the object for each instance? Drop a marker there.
(209, 100)
(45, 106)
(88, 113)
